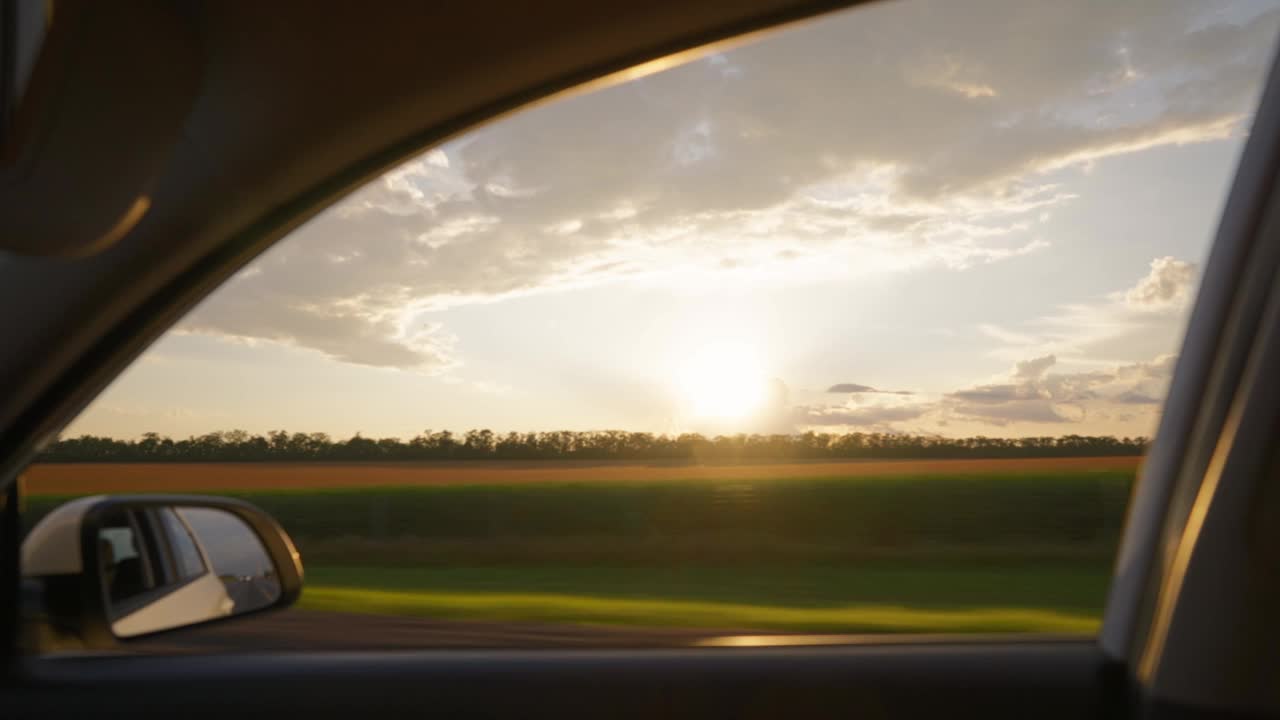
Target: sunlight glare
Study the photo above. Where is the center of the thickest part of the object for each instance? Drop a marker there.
(723, 381)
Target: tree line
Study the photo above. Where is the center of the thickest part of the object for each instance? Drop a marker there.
(281, 446)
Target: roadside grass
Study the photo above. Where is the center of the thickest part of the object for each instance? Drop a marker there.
(530, 607)
(911, 597)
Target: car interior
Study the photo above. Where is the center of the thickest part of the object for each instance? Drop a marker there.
(126, 574)
(149, 149)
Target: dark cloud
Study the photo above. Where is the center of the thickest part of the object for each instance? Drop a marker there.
(855, 388)
(850, 388)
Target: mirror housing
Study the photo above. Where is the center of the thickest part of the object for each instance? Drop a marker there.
(68, 594)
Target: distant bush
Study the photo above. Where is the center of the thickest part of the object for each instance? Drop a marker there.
(240, 446)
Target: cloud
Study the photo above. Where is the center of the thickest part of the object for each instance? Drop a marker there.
(1034, 394)
(991, 394)
(1161, 368)
(1034, 369)
(856, 388)
(850, 388)
(1030, 396)
(1134, 397)
(1168, 284)
(871, 416)
(348, 334)
(1029, 393)
(1027, 410)
(895, 136)
(1074, 330)
(1143, 383)
(867, 409)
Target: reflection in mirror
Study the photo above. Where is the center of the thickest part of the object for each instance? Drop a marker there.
(165, 567)
(237, 557)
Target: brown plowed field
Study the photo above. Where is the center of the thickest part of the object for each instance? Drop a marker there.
(79, 478)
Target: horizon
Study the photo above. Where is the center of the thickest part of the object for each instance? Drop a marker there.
(458, 434)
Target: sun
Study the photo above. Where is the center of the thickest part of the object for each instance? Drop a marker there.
(722, 381)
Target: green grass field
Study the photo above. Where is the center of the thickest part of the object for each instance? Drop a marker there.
(928, 553)
(1047, 514)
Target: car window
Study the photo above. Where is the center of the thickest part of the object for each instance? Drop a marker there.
(126, 572)
(186, 556)
(120, 543)
(861, 327)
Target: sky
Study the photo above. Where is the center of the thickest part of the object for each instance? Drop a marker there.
(918, 216)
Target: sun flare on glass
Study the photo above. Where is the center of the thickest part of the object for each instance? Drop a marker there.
(722, 382)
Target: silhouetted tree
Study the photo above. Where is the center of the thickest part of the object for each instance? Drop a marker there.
(281, 446)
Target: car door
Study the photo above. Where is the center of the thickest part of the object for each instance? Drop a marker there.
(1188, 584)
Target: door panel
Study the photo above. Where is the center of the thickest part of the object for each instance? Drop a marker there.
(995, 680)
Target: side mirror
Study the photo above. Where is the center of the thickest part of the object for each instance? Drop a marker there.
(101, 569)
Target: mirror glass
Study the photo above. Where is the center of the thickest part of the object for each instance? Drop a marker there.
(168, 566)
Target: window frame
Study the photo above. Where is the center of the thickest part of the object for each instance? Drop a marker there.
(98, 354)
